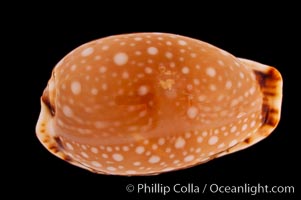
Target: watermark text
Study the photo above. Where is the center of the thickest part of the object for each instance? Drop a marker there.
(213, 188)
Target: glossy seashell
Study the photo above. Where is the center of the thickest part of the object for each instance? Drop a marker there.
(148, 103)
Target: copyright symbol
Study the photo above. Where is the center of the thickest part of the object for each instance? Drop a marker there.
(130, 188)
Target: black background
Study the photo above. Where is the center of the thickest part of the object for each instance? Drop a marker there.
(44, 38)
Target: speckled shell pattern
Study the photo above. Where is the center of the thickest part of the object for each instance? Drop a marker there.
(147, 103)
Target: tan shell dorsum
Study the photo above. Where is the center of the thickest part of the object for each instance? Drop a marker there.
(147, 103)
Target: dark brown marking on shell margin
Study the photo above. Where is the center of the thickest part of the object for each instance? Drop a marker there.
(269, 81)
(58, 142)
(45, 99)
(247, 140)
(52, 143)
(60, 148)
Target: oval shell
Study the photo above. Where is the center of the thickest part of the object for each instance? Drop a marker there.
(148, 103)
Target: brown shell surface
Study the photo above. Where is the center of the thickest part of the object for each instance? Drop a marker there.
(147, 103)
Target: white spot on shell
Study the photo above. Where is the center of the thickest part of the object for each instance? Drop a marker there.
(182, 42)
(180, 143)
(125, 75)
(220, 62)
(131, 172)
(105, 47)
(185, 70)
(152, 50)
(187, 135)
(94, 91)
(100, 124)
(94, 150)
(161, 141)
(210, 71)
(232, 143)
(252, 90)
(117, 157)
(67, 111)
(202, 98)
(154, 159)
(168, 55)
(221, 145)
(109, 149)
(104, 86)
(192, 112)
(76, 87)
(233, 129)
(73, 67)
(253, 123)
(244, 127)
(97, 57)
(120, 58)
(137, 38)
(154, 146)
(137, 163)
(199, 139)
(172, 64)
(102, 69)
(69, 146)
(148, 70)
(96, 164)
(143, 90)
(228, 84)
(88, 51)
(212, 87)
(188, 158)
(84, 154)
(138, 53)
(140, 149)
(193, 55)
(196, 81)
(111, 168)
(125, 148)
(213, 140)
